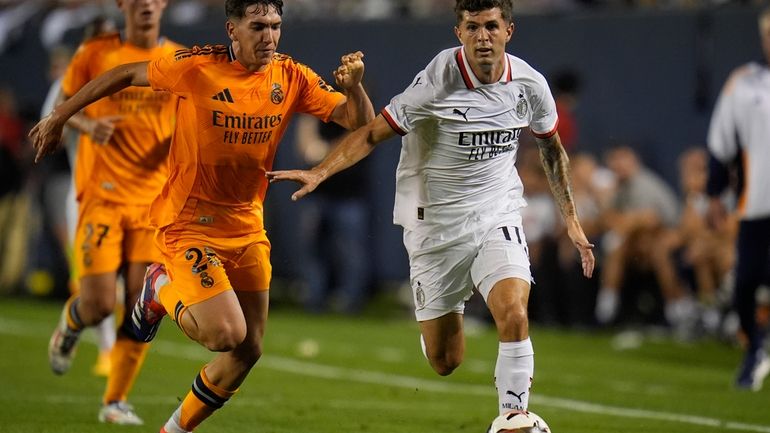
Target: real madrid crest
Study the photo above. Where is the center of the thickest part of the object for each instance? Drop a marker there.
(276, 96)
(521, 108)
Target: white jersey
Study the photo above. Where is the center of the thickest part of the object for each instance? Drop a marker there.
(456, 169)
(741, 122)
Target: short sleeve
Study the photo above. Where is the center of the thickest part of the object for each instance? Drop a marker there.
(407, 109)
(166, 73)
(544, 117)
(722, 134)
(78, 72)
(317, 98)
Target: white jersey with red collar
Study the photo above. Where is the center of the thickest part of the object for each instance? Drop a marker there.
(459, 144)
(741, 124)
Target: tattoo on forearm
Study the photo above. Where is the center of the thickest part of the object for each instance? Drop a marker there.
(556, 166)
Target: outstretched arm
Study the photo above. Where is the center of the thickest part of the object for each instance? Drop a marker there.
(46, 135)
(556, 165)
(353, 148)
(356, 111)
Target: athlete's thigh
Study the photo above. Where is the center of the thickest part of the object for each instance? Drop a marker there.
(443, 335)
(254, 306)
(439, 274)
(503, 254)
(249, 269)
(99, 238)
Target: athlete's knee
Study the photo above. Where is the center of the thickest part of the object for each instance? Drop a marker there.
(446, 364)
(514, 317)
(94, 310)
(222, 337)
(249, 352)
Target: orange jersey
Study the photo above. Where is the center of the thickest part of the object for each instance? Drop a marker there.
(131, 168)
(229, 124)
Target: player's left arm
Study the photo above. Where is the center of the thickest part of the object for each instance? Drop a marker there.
(556, 166)
(356, 110)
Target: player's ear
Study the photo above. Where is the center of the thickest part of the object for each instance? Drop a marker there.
(509, 31)
(457, 33)
(230, 28)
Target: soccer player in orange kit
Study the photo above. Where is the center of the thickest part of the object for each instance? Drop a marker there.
(235, 105)
(120, 167)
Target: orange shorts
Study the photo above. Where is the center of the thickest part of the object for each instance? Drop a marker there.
(110, 234)
(202, 266)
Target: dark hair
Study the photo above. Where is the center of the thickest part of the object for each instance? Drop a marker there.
(237, 8)
(506, 7)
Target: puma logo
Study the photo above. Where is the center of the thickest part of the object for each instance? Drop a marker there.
(518, 396)
(460, 113)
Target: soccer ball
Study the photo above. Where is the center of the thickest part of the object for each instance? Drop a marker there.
(519, 421)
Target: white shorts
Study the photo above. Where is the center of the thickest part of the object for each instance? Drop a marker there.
(444, 272)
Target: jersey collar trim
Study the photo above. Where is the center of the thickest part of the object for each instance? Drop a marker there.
(230, 53)
(469, 77)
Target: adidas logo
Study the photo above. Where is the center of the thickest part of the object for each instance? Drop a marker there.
(223, 96)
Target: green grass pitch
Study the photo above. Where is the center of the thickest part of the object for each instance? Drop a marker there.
(330, 374)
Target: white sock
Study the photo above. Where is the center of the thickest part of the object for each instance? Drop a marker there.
(172, 425)
(607, 305)
(105, 333)
(513, 374)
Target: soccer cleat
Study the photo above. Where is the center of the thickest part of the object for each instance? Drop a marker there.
(755, 367)
(120, 413)
(62, 346)
(148, 311)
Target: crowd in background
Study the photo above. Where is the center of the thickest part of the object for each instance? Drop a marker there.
(60, 15)
(659, 262)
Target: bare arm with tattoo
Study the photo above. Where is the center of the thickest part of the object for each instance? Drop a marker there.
(556, 166)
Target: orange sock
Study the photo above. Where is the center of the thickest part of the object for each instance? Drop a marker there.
(127, 357)
(202, 400)
(73, 318)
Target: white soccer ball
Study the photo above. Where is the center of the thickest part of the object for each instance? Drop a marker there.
(519, 421)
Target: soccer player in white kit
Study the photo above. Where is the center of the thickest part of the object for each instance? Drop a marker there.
(740, 133)
(458, 193)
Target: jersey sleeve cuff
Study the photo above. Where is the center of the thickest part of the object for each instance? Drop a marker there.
(392, 122)
(548, 134)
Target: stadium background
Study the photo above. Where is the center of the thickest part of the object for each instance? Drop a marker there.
(649, 78)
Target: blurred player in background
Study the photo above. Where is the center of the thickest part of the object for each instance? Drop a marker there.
(235, 107)
(58, 61)
(458, 193)
(739, 135)
(119, 168)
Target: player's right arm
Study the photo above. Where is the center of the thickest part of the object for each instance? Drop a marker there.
(46, 135)
(353, 148)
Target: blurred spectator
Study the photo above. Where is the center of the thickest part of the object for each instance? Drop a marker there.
(641, 224)
(334, 226)
(706, 253)
(14, 204)
(12, 19)
(72, 14)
